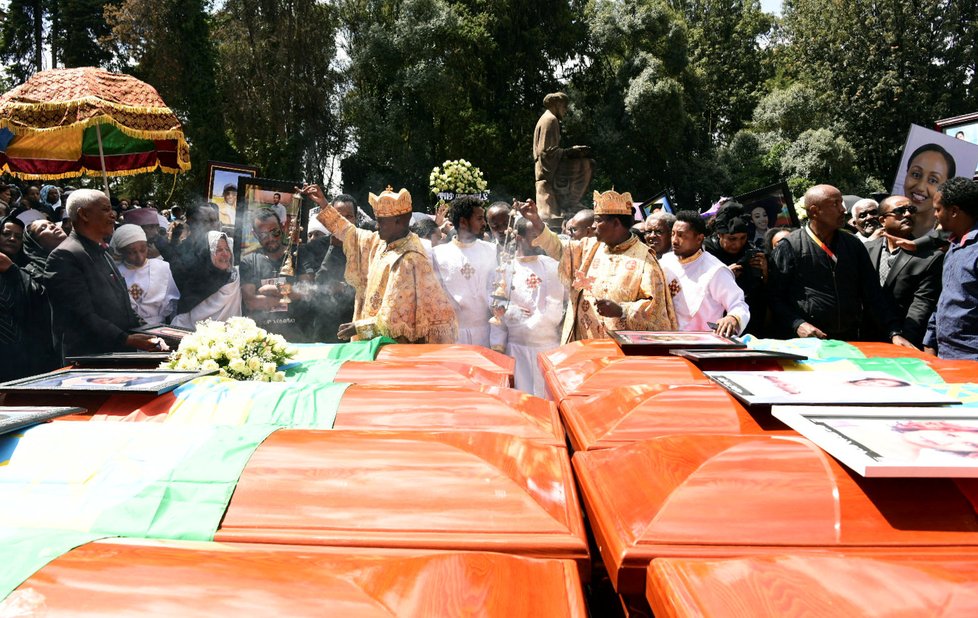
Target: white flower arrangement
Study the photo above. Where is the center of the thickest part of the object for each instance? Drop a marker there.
(457, 177)
(238, 348)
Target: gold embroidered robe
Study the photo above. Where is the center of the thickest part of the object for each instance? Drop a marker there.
(397, 292)
(627, 274)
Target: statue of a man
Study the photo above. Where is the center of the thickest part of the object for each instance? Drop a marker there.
(562, 174)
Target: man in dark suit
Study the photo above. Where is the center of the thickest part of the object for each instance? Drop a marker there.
(910, 280)
(91, 304)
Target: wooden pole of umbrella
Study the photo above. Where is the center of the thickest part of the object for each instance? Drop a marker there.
(101, 156)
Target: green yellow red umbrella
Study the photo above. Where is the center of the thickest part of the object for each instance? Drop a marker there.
(64, 123)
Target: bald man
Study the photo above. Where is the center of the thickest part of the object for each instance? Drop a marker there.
(822, 280)
(581, 225)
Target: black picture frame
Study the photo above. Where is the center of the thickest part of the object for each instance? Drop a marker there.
(962, 127)
(15, 418)
(661, 343)
(778, 202)
(146, 381)
(663, 199)
(257, 193)
(172, 335)
(736, 354)
(140, 360)
(220, 174)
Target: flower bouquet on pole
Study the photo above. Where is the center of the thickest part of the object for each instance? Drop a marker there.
(455, 179)
(238, 349)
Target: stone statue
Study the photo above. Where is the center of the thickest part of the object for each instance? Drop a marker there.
(562, 175)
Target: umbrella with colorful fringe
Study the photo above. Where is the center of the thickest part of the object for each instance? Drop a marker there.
(64, 123)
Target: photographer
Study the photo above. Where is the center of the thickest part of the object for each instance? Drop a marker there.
(748, 264)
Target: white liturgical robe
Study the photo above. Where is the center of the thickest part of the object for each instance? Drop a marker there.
(467, 271)
(533, 318)
(703, 290)
(152, 292)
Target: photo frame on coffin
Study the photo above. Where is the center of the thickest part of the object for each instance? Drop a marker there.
(220, 178)
(658, 343)
(137, 360)
(963, 127)
(172, 335)
(777, 202)
(761, 388)
(737, 354)
(150, 381)
(276, 195)
(893, 442)
(15, 418)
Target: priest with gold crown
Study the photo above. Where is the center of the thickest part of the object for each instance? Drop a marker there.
(397, 292)
(615, 281)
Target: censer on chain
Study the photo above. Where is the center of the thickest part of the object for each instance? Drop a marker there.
(503, 284)
(292, 243)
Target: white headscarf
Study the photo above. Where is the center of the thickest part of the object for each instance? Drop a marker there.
(214, 237)
(125, 236)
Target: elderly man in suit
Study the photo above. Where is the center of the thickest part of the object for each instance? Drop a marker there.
(88, 294)
(910, 280)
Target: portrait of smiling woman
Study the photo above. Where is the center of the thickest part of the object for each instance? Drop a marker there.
(927, 168)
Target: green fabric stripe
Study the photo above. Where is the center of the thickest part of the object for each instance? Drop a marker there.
(114, 141)
(913, 370)
(313, 372)
(24, 552)
(354, 350)
(817, 349)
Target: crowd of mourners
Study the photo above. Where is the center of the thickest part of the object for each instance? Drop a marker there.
(81, 273)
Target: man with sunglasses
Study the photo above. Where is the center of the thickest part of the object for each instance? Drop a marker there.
(261, 282)
(911, 280)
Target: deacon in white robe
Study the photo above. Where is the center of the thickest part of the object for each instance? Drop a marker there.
(153, 293)
(467, 269)
(703, 289)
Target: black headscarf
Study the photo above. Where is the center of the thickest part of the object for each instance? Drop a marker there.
(37, 255)
(195, 273)
(20, 259)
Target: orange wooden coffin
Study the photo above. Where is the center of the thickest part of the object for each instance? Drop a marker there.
(634, 413)
(423, 408)
(578, 351)
(697, 495)
(917, 583)
(955, 371)
(414, 372)
(597, 376)
(147, 578)
(461, 491)
(887, 350)
(473, 355)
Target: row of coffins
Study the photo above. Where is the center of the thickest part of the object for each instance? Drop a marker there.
(703, 506)
(417, 484)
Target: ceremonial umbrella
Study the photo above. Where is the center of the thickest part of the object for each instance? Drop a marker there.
(64, 123)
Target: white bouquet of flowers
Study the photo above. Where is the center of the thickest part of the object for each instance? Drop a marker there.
(238, 348)
(457, 178)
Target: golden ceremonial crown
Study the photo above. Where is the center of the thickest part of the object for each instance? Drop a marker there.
(613, 203)
(390, 204)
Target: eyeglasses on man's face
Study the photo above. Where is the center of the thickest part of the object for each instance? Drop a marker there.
(270, 234)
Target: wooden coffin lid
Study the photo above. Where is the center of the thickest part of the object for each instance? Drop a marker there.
(166, 579)
(462, 491)
(414, 372)
(474, 355)
(578, 351)
(726, 495)
(598, 376)
(916, 583)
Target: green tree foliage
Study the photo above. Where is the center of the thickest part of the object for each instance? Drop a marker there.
(22, 39)
(278, 84)
(431, 80)
(77, 32)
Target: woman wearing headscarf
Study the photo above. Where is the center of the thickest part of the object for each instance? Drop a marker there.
(152, 291)
(50, 200)
(215, 293)
(41, 238)
(728, 243)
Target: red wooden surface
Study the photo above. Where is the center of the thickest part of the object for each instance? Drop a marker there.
(634, 413)
(598, 376)
(168, 579)
(718, 496)
(462, 491)
(422, 408)
(887, 350)
(414, 372)
(474, 355)
(914, 584)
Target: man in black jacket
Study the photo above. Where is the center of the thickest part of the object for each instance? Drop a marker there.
(910, 280)
(821, 279)
(91, 305)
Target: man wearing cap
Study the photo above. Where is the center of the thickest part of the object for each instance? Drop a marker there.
(397, 292)
(747, 263)
(152, 291)
(615, 281)
(92, 313)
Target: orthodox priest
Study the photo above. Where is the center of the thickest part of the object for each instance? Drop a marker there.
(615, 281)
(397, 293)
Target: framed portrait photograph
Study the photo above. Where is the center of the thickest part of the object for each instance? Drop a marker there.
(142, 360)
(660, 201)
(222, 188)
(929, 158)
(739, 354)
(172, 335)
(151, 381)
(895, 442)
(656, 343)
(255, 194)
(15, 418)
(960, 127)
(776, 203)
(825, 387)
